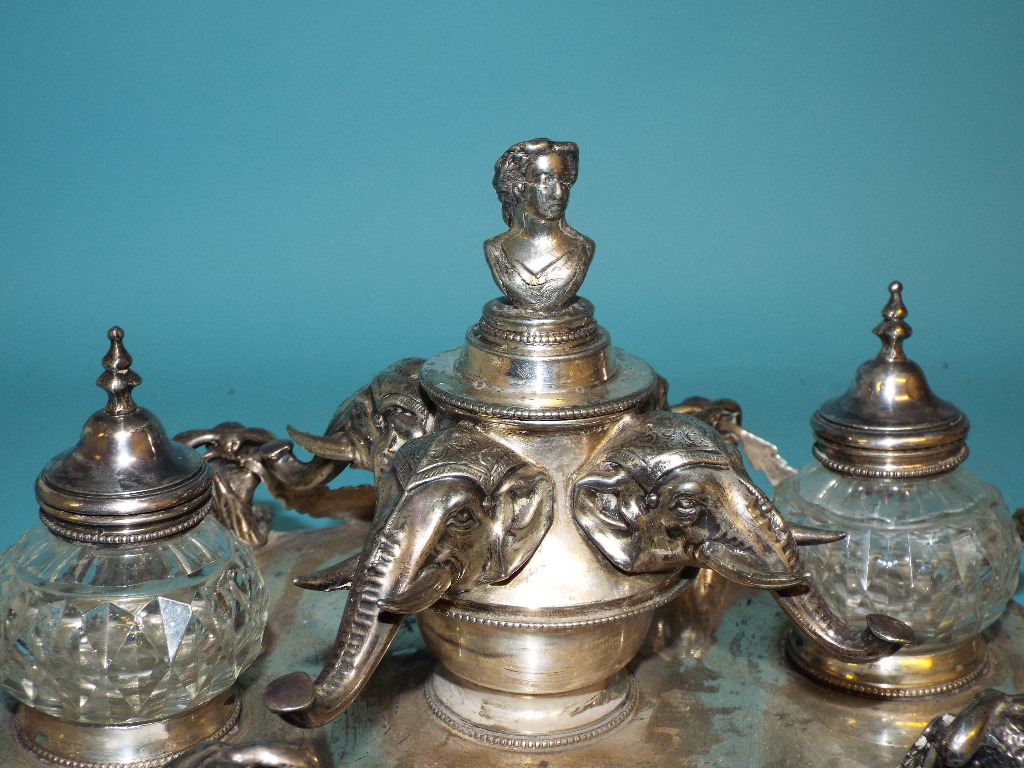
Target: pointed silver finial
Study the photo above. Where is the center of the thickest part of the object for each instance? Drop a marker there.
(892, 330)
(889, 423)
(119, 379)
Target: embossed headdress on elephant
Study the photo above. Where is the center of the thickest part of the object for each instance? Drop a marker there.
(456, 510)
(514, 497)
(666, 492)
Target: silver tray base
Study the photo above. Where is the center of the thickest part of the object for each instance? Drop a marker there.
(710, 691)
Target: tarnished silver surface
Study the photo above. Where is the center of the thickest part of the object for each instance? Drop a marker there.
(888, 452)
(667, 492)
(726, 416)
(761, 454)
(65, 744)
(233, 453)
(712, 689)
(456, 509)
(366, 430)
(531, 514)
(900, 675)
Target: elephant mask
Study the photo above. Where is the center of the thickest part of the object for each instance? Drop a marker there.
(455, 510)
(667, 492)
(370, 426)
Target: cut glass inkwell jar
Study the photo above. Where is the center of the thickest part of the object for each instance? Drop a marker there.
(128, 614)
(928, 541)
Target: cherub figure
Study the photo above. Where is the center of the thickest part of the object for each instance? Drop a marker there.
(540, 262)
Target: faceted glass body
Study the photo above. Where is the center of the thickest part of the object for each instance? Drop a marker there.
(938, 552)
(114, 635)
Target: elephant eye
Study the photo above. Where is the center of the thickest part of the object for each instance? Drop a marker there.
(685, 508)
(401, 421)
(462, 519)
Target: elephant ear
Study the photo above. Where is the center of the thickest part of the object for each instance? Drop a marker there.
(523, 511)
(603, 503)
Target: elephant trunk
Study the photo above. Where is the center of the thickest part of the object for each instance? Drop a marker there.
(363, 637)
(882, 636)
(804, 605)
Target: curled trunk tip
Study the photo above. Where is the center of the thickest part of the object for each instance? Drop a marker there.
(883, 636)
(289, 693)
(890, 630)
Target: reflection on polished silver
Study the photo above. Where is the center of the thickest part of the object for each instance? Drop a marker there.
(711, 688)
(124, 482)
(127, 619)
(137, 745)
(529, 512)
(988, 733)
(927, 539)
(889, 424)
(217, 754)
(532, 723)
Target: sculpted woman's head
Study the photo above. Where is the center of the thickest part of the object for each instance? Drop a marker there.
(538, 174)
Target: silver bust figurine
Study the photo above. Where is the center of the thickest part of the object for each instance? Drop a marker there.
(540, 262)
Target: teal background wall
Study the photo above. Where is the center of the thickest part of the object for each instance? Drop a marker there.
(276, 200)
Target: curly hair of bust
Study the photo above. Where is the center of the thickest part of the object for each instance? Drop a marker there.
(510, 170)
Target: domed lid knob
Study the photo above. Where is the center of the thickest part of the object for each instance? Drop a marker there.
(118, 379)
(889, 424)
(125, 482)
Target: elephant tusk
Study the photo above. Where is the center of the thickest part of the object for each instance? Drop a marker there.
(740, 567)
(324, 447)
(807, 536)
(426, 590)
(331, 578)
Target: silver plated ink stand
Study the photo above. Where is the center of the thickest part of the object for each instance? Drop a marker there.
(554, 565)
